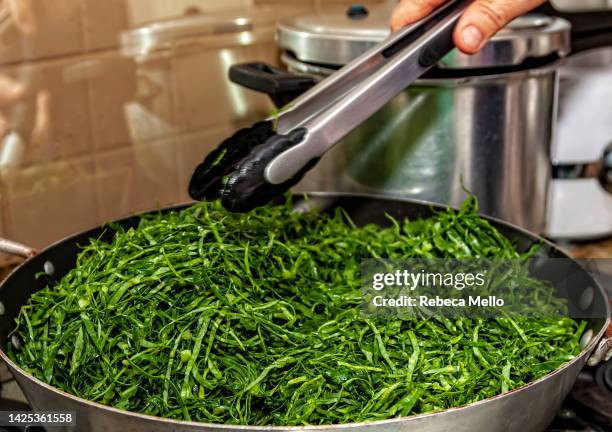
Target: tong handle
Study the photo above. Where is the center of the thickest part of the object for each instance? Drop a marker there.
(373, 79)
(342, 81)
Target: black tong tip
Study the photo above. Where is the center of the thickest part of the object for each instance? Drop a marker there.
(234, 171)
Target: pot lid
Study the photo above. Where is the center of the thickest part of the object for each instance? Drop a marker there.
(336, 35)
(230, 28)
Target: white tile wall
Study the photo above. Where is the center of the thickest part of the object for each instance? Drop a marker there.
(119, 135)
(141, 11)
(52, 118)
(47, 202)
(56, 30)
(102, 22)
(204, 98)
(135, 179)
(111, 86)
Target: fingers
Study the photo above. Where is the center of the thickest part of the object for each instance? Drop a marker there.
(484, 18)
(479, 23)
(10, 90)
(409, 11)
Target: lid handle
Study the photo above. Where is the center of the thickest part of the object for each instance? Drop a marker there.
(589, 29)
(357, 12)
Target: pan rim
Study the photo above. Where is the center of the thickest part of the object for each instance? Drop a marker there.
(585, 352)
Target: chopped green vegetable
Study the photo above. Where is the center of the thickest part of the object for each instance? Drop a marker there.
(255, 318)
(275, 114)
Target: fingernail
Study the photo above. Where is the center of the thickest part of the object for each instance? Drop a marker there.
(472, 37)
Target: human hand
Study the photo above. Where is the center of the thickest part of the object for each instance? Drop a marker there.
(479, 22)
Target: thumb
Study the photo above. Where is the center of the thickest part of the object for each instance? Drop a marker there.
(484, 18)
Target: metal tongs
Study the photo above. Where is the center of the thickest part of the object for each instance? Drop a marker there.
(260, 163)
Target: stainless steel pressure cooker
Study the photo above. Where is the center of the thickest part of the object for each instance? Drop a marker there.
(481, 124)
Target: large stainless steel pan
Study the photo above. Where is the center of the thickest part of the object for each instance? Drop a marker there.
(529, 408)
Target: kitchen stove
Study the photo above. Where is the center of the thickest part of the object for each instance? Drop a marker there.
(588, 408)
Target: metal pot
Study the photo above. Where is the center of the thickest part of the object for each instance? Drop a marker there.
(529, 408)
(482, 123)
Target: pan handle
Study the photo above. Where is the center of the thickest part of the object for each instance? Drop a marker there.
(13, 248)
(601, 170)
(605, 172)
(603, 351)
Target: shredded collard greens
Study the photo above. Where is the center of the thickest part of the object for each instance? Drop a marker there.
(205, 315)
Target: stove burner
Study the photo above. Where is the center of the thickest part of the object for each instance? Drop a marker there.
(591, 396)
(13, 405)
(17, 429)
(603, 377)
(568, 421)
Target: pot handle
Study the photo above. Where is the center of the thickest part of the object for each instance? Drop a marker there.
(13, 248)
(605, 172)
(600, 170)
(590, 30)
(281, 86)
(603, 351)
